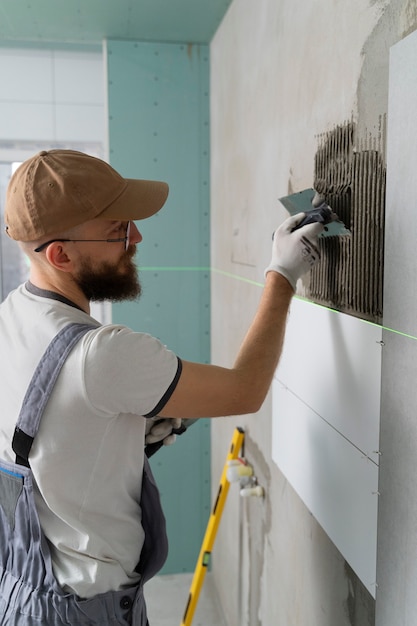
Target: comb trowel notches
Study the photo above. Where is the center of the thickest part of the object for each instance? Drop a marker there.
(316, 210)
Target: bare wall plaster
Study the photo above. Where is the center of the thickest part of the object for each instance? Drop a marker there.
(282, 73)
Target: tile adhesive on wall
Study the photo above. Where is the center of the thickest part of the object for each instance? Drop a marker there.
(349, 277)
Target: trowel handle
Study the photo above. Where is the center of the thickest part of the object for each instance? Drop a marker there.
(322, 214)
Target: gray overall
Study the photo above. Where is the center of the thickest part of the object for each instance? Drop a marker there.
(29, 592)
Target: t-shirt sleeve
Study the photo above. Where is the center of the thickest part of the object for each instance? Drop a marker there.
(128, 372)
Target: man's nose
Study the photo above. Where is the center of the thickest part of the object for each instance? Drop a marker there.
(135, 235)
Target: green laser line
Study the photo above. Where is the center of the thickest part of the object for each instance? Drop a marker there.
(258, 284)
(200, 269)
(171, 268)
(391, 330)
(236, 277)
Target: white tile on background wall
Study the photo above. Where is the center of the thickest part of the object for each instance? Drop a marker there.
(22, 121)
(78, 77)
(26, 75)
(337, 483)
(52, 96)
(79, 122)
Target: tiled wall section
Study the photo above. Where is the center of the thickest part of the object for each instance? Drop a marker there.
(51, 96)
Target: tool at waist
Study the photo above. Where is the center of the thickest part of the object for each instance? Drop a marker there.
(151, 448)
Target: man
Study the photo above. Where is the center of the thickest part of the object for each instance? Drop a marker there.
(73, 217)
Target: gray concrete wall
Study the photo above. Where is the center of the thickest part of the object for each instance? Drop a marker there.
(283, 73)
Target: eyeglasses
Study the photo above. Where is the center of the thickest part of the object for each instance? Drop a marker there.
(118, 240)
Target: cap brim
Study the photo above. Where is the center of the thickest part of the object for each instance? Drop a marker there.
(139, 199)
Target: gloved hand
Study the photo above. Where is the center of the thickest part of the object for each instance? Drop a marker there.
(294, 253)
(158, 429)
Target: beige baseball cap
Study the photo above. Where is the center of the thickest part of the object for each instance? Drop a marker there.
(58, 189)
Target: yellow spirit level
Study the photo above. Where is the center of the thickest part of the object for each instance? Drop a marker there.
(211, 530)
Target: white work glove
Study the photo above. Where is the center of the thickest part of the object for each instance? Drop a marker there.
(294, 253)
(158, 429)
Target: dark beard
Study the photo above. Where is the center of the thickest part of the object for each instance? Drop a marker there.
(109, 282)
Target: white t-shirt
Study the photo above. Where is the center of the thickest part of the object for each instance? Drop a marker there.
(87, 458)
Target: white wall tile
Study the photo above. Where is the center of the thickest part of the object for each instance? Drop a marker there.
(325, 425)
(22, 121)
(332, 362)
(78, 77)
(26, 75)
(79, 122)
(397, 514)
(334, 479)
(52, 96)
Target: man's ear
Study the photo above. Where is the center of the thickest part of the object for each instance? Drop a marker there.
(57, 257)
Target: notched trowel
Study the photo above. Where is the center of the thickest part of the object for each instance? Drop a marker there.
(317, 210)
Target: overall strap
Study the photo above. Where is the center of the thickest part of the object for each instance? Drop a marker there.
(40, 388)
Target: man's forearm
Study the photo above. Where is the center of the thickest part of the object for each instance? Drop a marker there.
(259, 354)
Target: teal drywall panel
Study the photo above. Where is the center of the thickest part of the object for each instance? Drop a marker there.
(158, 102)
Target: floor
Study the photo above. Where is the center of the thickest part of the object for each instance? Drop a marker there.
(166, 599)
